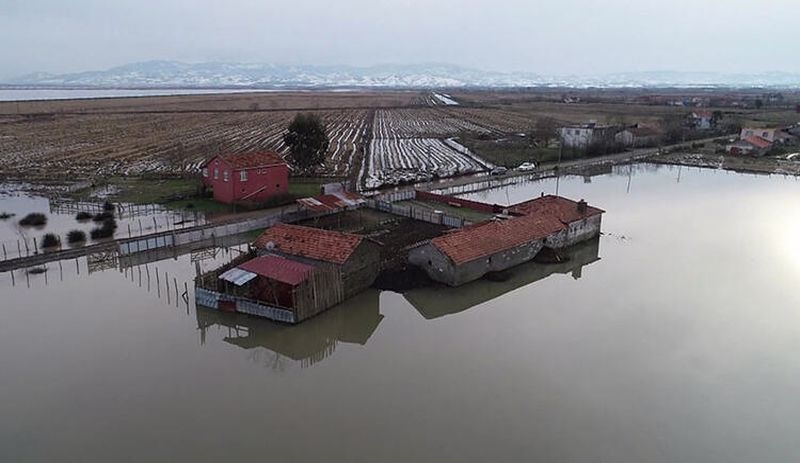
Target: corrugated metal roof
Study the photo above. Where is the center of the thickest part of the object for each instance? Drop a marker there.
(331, 202)
(278, 269)
(237, 276)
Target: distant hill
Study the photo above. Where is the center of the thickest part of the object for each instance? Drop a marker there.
(159, 74)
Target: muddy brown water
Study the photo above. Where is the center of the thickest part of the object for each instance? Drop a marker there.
(673, 338)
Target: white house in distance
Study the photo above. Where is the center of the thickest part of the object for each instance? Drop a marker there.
(582, 135)
(703, 119)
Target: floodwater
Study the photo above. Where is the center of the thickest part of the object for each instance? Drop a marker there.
(132, 220)
(673, 338)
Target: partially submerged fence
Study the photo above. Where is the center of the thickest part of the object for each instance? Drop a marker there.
(211, 231)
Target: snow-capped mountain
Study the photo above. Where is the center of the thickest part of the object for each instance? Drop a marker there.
(172, 74)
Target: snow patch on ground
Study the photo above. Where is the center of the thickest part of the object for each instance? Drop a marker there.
(445, 99)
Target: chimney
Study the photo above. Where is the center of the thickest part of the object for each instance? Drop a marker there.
(582, 206)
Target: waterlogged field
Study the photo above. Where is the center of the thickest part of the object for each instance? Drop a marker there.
(673, 338)
(17, 240)
(404, 148)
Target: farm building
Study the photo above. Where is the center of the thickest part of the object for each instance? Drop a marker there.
(246, 177)
(269, 286)
(753, 145)
(293, 274)
(766, 134)
(357, 259)
(434, 301)
(581, 136)
(549, 222)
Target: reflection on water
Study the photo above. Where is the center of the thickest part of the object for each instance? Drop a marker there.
(680, 344)
(308, 342)
(438, 301)
(355, 321)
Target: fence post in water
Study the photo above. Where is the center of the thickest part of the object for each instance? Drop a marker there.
(141, 231)
(5, 255)
(155, 224)
(27, 251)
(35, 246)
(19, 249)
(129, 230)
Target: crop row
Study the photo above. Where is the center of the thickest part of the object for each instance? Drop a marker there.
(134, 144)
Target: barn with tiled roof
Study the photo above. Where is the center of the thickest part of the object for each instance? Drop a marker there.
(468, 254)
(357, 258)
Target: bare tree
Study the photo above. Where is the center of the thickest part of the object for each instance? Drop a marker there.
(544, 130)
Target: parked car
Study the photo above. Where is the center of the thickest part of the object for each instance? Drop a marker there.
(498, 171)
(527, 166)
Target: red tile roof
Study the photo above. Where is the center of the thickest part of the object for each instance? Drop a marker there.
(537, 219)
(563, 209)
(251, 160)
(312, 243)
(485, 239)
(758, 142)
(278, 269)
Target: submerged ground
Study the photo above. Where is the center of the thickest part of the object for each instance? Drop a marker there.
(678, 344)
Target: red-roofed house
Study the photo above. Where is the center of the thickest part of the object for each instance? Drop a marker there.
(470, 253)
(356, 258)
(246, 177)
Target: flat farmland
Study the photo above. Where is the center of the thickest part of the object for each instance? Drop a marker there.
(136, 144)
(416, 145)
(377, 138)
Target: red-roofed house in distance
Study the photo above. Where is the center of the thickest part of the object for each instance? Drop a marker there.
(470, 253)
(246, 177)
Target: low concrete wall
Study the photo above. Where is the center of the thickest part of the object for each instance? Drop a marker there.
(212, 299)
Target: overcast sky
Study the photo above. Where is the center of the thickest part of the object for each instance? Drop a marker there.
(542, 36)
